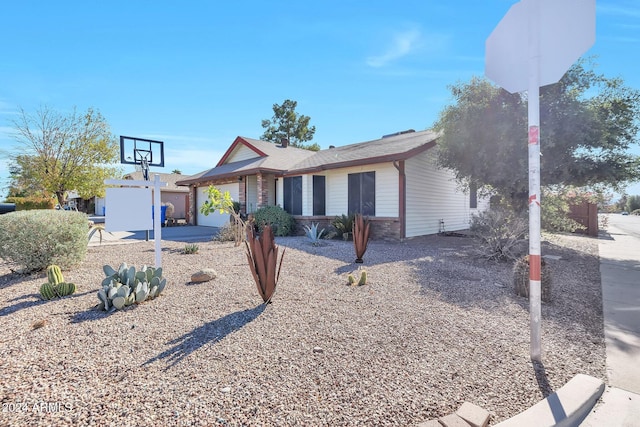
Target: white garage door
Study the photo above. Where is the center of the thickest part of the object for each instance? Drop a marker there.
(214, 219)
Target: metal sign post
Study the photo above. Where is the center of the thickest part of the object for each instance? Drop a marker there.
(535, 267)
(534, 45)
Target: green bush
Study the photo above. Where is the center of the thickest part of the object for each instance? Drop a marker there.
(554, 216)
(36, 239)
(343, 224)
(280, 220)
(636, 212)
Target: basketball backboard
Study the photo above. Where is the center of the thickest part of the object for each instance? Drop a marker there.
(138, 151)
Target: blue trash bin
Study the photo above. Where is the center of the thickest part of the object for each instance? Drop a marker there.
(163, 214)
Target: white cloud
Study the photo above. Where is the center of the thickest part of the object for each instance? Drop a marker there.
(408, 43)
(403, 44)
(630, 11)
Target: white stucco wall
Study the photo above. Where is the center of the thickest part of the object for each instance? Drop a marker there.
(433, 195)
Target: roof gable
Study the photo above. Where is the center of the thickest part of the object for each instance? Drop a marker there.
(270, 158)
(238, 144)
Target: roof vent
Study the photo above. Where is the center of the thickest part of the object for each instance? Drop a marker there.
(398, 133)
(284, 142)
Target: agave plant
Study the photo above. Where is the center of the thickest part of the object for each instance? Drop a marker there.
(361, 229)
(313, 234)
(262, 254)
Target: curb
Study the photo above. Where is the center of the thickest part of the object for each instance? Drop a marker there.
(567, 407)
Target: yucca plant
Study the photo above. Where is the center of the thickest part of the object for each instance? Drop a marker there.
(262, 254)
(191, 249)
(361, 228)
(93, 228)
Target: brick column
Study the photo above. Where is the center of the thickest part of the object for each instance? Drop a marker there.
(242, 196)
(191, 212)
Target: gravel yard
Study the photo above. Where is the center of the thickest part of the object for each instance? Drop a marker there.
(434, 327)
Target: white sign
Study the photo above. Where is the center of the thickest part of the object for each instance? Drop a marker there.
(567, 29)
(128, 209)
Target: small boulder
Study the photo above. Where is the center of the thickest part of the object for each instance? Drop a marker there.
(203, 275)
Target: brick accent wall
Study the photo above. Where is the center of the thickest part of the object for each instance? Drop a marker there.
(382, 228)
(263, 190)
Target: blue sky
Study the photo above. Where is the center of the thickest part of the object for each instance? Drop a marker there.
(197, 74)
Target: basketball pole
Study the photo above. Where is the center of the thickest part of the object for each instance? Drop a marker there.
(145, 175)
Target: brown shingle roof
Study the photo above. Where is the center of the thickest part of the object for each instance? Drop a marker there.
(273, 158)
(169, 178)
(386, 149)
(270, 158)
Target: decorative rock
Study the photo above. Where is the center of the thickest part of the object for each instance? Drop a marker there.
(225, 389)
(204, 275)
(318, 350)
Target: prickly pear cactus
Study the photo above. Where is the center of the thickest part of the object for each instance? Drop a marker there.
(521, 278)
(126, 286)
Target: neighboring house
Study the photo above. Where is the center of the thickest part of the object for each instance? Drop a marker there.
(394, 181)
(178, 196)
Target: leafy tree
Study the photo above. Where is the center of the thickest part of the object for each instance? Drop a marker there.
(587, 121)
(633, 203)
(60, 153)
(621, 204)
(223, 203)
(286, 123)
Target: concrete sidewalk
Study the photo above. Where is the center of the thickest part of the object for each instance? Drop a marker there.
(620, 273)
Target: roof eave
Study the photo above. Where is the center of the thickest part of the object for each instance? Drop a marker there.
(364, 161)
(246, 172)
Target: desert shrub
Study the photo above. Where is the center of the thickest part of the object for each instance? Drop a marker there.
(170, 209)
(636, 212)
(226, 233)
(282, 223)
(36, 239)
(32, 202)
(500, 231)
(191, 249)
(554, 216)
